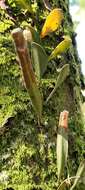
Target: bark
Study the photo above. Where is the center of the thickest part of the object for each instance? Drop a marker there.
(28, 153)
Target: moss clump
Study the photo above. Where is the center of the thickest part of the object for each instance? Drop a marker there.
(28, 153)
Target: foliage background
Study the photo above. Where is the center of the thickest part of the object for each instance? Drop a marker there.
(27, 153)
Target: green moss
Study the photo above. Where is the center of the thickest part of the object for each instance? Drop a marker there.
(27, 152)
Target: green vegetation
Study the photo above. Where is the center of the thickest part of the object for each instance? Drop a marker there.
(27, 151)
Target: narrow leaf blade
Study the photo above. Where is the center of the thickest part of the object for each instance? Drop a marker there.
(62, 143)
(27, 70)
(79, 174)
(35, 34)
(64, 72)
(39, 59)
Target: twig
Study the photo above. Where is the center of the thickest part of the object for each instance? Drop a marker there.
(66, 180)
(47, 4)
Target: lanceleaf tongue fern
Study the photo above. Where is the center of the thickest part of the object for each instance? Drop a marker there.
(62, 143)
(39, 59)
(28, 73)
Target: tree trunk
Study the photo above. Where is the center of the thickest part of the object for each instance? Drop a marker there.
(28, 153)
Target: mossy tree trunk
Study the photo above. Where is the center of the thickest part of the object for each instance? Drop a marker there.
(28, 153)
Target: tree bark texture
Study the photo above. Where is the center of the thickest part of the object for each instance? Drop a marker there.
(28, 153)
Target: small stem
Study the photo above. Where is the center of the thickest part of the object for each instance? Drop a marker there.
(50, 96)
(47, 4)
(66, 180)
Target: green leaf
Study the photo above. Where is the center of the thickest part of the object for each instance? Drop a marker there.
(62, 47)
(64, 72)
(36, 98)
(27, 70)
(79, 174)
(39, 59)
(25, 5)
(62, 144)
(62, 150)
(35, 34)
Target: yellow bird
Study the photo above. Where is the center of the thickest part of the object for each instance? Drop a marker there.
(61, 47)
(52, 22)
